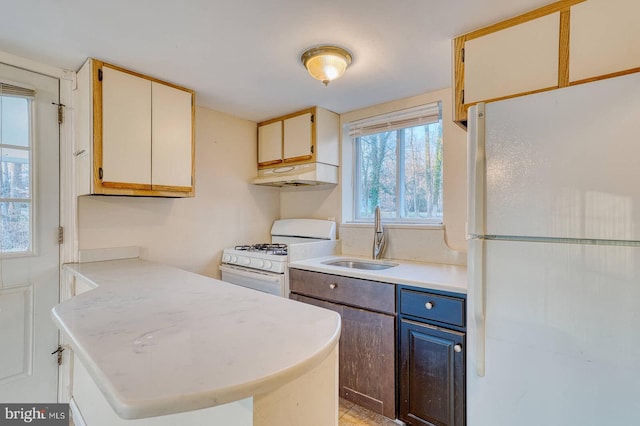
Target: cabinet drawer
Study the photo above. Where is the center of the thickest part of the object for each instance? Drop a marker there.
(433, 307)
(372, 295)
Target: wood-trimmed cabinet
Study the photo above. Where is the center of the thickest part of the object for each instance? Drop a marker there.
(431, 361)
(564, 43)
(307, 136)
(604, 39)
(367, 341)
(135, 134)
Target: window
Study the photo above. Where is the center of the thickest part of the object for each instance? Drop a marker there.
(16, 199)
(398, 165)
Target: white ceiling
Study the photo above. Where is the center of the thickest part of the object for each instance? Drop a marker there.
(243, 56)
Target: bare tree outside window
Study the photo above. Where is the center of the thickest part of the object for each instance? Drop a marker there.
(400, 170)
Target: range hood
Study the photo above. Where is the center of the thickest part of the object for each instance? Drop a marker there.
(299, 175)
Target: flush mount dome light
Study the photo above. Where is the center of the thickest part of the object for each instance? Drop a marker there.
(326, 63)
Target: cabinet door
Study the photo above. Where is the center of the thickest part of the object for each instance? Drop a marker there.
(512, 61)
(126, 130)
(431, 375)
(603, 38)
(327, 137)
(270, 144)
(367, 363)
(298, 138)
(172, 135)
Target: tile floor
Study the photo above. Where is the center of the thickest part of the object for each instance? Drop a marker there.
(350, 414)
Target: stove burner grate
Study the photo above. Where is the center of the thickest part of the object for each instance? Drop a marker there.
(266, 248)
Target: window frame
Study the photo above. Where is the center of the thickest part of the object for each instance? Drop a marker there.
(400, 151)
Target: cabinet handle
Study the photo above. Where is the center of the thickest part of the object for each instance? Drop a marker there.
(333, 285)
(457, 348)
(429, 305)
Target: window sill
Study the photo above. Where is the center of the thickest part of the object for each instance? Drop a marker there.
(395, 225)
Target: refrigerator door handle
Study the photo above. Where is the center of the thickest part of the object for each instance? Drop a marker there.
(477, 285)
(476, 164)
(476, 227)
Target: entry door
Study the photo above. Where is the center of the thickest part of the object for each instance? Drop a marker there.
(29, 250)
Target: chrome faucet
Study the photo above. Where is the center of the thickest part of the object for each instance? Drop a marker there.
(378, 236)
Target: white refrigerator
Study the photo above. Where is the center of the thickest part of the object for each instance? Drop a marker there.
(553, 314)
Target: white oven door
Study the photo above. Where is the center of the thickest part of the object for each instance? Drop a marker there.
(267, 282)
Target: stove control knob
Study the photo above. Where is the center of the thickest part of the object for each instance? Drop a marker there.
(260, 263)
(226, 258)
(267, 264)
(245, 261)
(234, 259)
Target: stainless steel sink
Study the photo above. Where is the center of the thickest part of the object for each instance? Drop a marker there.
(359, 264)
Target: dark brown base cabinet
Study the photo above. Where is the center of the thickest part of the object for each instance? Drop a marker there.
(367, 341)
(432, 375)
(431, 359)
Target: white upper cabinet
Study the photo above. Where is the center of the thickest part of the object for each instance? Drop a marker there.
(563, 43)
(171, 127)
(327, 137)
(517, 59)
(270, 143)
(604, 38)
(135, 134)
(307, 136)
(126, 134)
(298, 144)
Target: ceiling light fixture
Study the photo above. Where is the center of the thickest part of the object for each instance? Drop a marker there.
(326, 63)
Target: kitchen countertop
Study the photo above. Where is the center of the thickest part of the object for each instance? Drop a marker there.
(159, 340)
(434, 276)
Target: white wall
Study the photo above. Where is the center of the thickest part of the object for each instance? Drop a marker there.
(315, 202)
(328, 202)
(190, 233)
(227, 210)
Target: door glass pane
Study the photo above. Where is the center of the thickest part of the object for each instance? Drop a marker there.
(15, 222)
(14, 173)
(14, 121)
(16, 198)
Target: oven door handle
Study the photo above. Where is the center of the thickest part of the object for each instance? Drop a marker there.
(265, 276)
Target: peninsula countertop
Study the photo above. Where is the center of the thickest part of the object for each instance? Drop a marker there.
(434, 276)
(159, 340)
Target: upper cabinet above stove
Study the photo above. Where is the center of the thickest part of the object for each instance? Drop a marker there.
(308, 136)
(135, 134)
(561, 44)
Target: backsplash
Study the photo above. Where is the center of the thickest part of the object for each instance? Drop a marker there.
(303, 251)
(108, 253)
(418, 244)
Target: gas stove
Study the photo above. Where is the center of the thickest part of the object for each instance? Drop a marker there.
(264, 257)
(263, 267)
